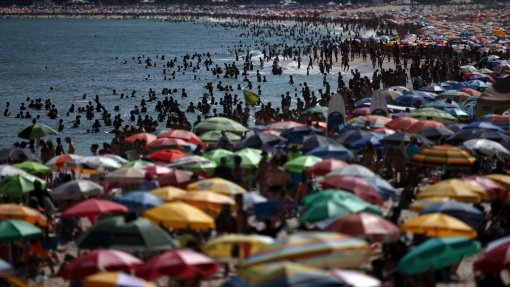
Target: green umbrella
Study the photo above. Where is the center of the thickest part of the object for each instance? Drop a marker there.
(301, 163)
(127, 233)
(32, 167)
(214, 136)
(250, 157)
(437, 253)
(220, 124)
(217, 154)
(322, 112)
(433, 114)
(136, 164)
(328, 194)
(36, 131)
(194, 163)
(18, 185)
(13, 230)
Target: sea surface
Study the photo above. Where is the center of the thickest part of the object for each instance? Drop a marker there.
(86, 56)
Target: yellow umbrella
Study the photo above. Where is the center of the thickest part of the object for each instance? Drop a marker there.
(438, 225)
(455, 189)
(217, 185)
(180, 215)
(208, 201)
(115, 279)
(15, 211)
(221, 247)
(168, 193)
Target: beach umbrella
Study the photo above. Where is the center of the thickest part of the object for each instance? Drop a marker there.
(455, 128)
(420, 204)
(251, 198)
(315, 249)
(432, 114)
(352, 169)
(137, 164)
(183, 264)
(8, 170)
(183, 135)
(383, 187)
(146, 137)
(18, 185)
(483, 125)
(464, 135)
(32, 167)
(259, 141)
(20, 212)
(127, 176)
(115, 279)
(216, 154)
(487, 147)
(438, 225)
(194, 163)
(222, 246)
(63, 161)
(455, 189)
(495, 260)
(433, 87)
(324, 167)
(471, 92)
(296, 135)
(401, 124)
(333, 151)
(138, 200)
(179, 215)
(404, 137)
(287, 274)
(348, 136)
(220, 124)
(100, 260)
(176, 177)
(13, 230)
(125, 232)
(36, 131)
(437, 253)
(5, 268)
(93, 208)
(443, 155)
(355, 185)
(371, 121)
(374, 139)
(494, 189)
(465, 212)
(207, 201)
(283, 125)
(166, 155)
(502, 179)
(435, 133)
(390, 94)
(367, 226)
(502, 121)
(218, 185)
(318, 111)
(76, 189)
(477, 84)
(250, 158)
(313, 141)
(169, 143)
(214, 136)
(168, 193)
(425, 124)
(96, 162)
(301, 163)
(355, 278)
(412, 100)
(157, 170)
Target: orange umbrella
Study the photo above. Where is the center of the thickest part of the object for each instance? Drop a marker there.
(208, 201)
(167, 155)
(401, 124)
(148, 138)
(424, 124)
(471, 92)
(15, 211)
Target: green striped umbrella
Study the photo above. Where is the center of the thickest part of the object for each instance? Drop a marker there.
(32, 167)
(250, 157)
(433, 114)
(36, 131)
(214, 136)
(18, 185)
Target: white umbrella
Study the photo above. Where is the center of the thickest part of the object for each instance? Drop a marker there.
(7, 170)
(76, 189)
(487, 147)
(353, 170)
(127, 175)
(95, 162)
(74, 159)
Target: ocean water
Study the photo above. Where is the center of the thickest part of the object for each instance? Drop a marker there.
(78, 56)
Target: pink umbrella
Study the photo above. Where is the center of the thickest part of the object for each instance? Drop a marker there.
(140, 136)
(94, 207)
(494, 190)
(183, 135)
(424, 124)
(356, 185)
(166, 143)
(176, 177)
(401, 124)
(157, 170)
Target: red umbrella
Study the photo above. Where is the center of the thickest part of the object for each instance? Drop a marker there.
(326, 166)
(148, 138)
(100, 260)
(176, 177)
(355, 185)
(494, 190)
(495, 260)
(181, 263)
(183, 135)
(365, 225)
(94, 207)
(424, 124)
(157, 170)
(166, 143)
(401, 124)
(166, 155)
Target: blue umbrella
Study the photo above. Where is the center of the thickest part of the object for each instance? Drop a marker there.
(456, 127)
(476, 85)
(411, 100)
(483, 125)
(349, 135)
(336, 151)
(383, 187)
(363, 102)
(138, 201)
(374, 138)
(462, 211)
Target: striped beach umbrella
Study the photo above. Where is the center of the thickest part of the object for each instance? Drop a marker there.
(443, 155)
(315, 249)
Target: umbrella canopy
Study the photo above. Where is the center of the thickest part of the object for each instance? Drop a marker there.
(100, 260)
(483, 125)
(252, 198)
(222, 246)
(455, 189)
(495, 259)
(76, 189)
(137, 164)
(207, 201)
(183, 264)
(367, 226)
(217, 154)
(32, 167)
(183, 135)
(36, 131)
(127, 176)
(404, 137)
(220, 124)
(371, 121)
(125, 232)
(194, 163)
(438, 225)
(301, 163)
(20, 212)
(115, 279)
(138, 200)
(94, 207)
(464, 135)
(166, 155)
(494, 190)
(214, 136)
(283, 125)
(433, 114)
(250, 157)
(350, 135)
(437, 253)
(218, 185)
(433, 87)
(465, 212)
(168, 193)
(146, 137)
(401, 124)
(13, 230)
(502, 179)
(8, 170)
(96, 162)
(324, 167)
(436, 133)
(487, 147)
(316, 249)
(333, 151)
(179, 215)
(425, 124)
(445, 155)
(169, 143)
(313, 141)
(157, 170)
(352, 169)
(18, 185)
(259, 141)
(356, 185)
(176, 177)
(383, 187)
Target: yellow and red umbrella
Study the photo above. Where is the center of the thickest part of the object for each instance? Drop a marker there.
(443, 155)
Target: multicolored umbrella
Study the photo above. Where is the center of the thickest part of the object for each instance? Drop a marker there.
(371, 121)
(36, 131)
(13, 230)
(445, 155)
(94, 207)
(179, 215)
(301, 163)
(367, 226)
(356, 185)
(438, 225)
(222, 246)
(115, 279)
(20, 212)
(465, 212)
(183, 135)
(218, 185)
(220, 124)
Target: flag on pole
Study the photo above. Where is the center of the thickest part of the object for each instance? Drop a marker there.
(250, 97)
